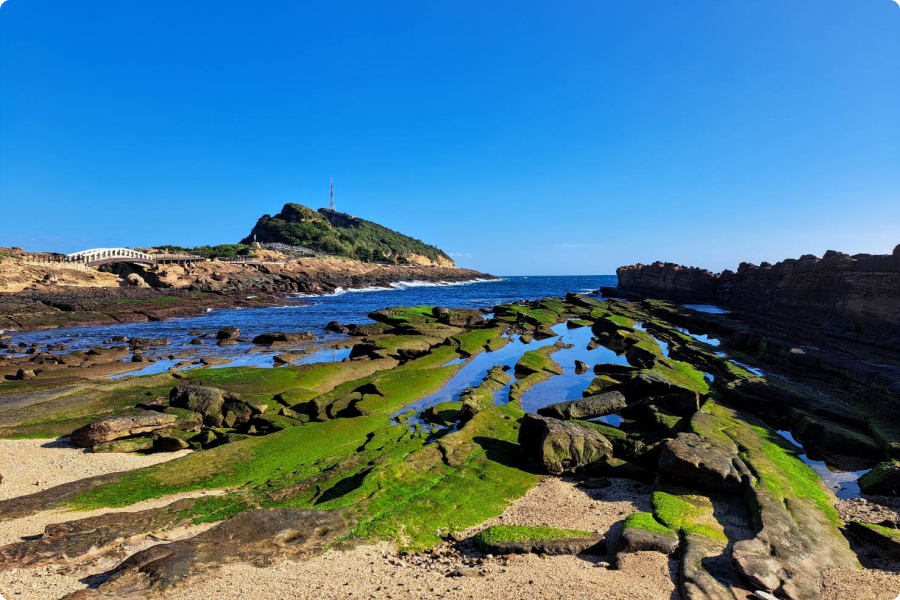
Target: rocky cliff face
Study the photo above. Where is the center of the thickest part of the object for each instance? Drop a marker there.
(859, 292)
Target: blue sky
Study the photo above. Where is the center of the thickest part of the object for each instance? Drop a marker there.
(539, 137)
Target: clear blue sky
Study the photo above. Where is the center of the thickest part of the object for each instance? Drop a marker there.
(538, 137)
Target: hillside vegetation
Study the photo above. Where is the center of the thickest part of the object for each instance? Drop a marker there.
(340, 234)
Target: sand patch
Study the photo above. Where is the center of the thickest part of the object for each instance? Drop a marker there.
(379, 572)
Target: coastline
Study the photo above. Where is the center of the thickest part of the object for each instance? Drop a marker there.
(189, 292)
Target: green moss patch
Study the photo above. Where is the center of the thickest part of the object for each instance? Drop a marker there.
(647, 522)
(687, 513)
(498, 534)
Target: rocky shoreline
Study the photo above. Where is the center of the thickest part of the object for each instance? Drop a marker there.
(679, 464)
(856, 295)
(55, 297)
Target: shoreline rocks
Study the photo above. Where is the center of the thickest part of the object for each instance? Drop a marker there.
(841, 291)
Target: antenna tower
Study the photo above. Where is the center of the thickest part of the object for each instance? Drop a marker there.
(331, 204)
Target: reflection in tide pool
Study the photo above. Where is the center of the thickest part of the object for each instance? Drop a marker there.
(325, 355)
(473, 372)
(160, 366)
(701, 337)
(844, 483)
(570, 384)
(614, 420)
(707, 308)
(754, 370)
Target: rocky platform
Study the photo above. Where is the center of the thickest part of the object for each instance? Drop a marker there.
(323, 454)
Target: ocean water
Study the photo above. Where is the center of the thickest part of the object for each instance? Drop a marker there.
(312, 313)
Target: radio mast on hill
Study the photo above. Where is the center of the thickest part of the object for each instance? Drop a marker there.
(331, 204)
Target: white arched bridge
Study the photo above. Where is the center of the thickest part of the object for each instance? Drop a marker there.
(103, 256)
(96, 257)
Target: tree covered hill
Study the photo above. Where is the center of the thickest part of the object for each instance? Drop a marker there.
(332, 232)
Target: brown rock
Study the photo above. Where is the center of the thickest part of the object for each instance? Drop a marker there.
(113, 428)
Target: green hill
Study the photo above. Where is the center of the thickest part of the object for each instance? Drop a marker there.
(332, 232)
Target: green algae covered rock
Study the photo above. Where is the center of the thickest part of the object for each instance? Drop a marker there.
(519, 539)
(586, 408)
(886, 539)
(140, 444)
(561, 447)
(883, 480)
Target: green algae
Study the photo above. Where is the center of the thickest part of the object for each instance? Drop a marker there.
(647, 522)
(498, 534)
(687, 513)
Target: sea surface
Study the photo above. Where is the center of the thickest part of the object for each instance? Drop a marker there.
(312, 313)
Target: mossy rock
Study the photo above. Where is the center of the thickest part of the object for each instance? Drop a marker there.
(883, 480)
(687, 513)
(443, 413)
(643, 533)
(886, 539)
(141, 444)
(578, 323)
(599, 384)
(519, 539)
(296, 396)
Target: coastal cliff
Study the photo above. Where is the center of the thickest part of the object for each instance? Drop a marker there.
(857, 293)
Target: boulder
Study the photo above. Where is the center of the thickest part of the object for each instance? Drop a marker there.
(641, 540)
(702, 462)
(586, 408)
(207, 401)
(228, 333)
(684, 403)
(113, 428)
(136, 280)
(169, 443)
(268, 339)
(581, 367)
(883, 480)
(144, 343)
(25, 374)
(263, 536)
(560, 447)
(649, 384)
(336, 327)
(641, 357)
(886, 539)
(138, 444)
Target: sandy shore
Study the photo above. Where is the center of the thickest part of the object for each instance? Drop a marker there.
(452, 571)
(378, 572)
(29, 466)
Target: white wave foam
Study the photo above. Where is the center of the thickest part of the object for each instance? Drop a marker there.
(415, 283)
(396, 286)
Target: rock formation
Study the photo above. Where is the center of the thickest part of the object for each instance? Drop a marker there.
(857, 293)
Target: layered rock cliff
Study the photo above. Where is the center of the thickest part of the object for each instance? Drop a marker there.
(857, 293)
